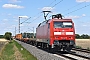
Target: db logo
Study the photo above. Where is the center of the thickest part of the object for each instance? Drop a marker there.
(63, 33)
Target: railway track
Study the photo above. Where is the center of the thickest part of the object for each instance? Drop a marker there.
(81, 50)
(82, 54)
(72, 56)
(76, 54)
(64, 56)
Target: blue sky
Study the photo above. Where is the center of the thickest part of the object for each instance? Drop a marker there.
(10, 10)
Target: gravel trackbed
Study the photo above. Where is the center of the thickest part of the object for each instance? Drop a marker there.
(40, 54)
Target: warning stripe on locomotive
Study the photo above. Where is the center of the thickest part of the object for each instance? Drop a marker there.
(63, 33)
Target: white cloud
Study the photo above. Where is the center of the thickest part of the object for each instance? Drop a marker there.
(72, 17)
(14, 1)
(16, 20)
(54, 13)
(83, 14)
(5, 19)
(6, 14)
(47, 9)
(23, 16)
(84, 25)
(11, 27)
(9, 14)
(82, 0)
(12, 6)
(15, 17)
(4, 23)
(75, 17)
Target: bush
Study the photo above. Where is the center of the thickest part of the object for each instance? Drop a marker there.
(1, 36)
(8, 35)
(78, 47)
(88, 48)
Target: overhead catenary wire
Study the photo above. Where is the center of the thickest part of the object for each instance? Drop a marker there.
(29, 18)
(40, 12)
(78, 9)
(57, 3)
(54, 6)
(72, 7)
(37, 14)
(34, 19)
(51, 3)
(25, 20)
(49, 9)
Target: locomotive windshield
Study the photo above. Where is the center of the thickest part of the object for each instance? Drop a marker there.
(62, 24)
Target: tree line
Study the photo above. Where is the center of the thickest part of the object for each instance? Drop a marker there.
(28, 35)
(83, 36)
(77, 36)
(8, 36)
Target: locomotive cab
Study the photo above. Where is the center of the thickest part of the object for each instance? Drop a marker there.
(63, 33)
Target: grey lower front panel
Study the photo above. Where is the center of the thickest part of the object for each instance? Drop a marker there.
(64, 42)
(72, 42)
(65, 45)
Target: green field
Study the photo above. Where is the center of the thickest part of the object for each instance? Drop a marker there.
(83, 43)
(14, 51)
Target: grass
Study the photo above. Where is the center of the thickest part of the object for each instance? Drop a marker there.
(78, 47)
(88, 48)
(7, 53)
(12, 49)
(25, 53)
(84, 43)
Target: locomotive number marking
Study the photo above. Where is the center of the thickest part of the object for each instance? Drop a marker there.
(63, 33)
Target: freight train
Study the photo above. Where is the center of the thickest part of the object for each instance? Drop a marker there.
(56, 33)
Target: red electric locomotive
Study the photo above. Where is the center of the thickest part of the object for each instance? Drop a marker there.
(56, 33)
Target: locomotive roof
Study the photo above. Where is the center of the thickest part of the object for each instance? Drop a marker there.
(60, 20)
(48, 21)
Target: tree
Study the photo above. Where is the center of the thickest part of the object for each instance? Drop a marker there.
(77, 36)
(28, 35)
(83, 36)
(1, 36)
(8, 35)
